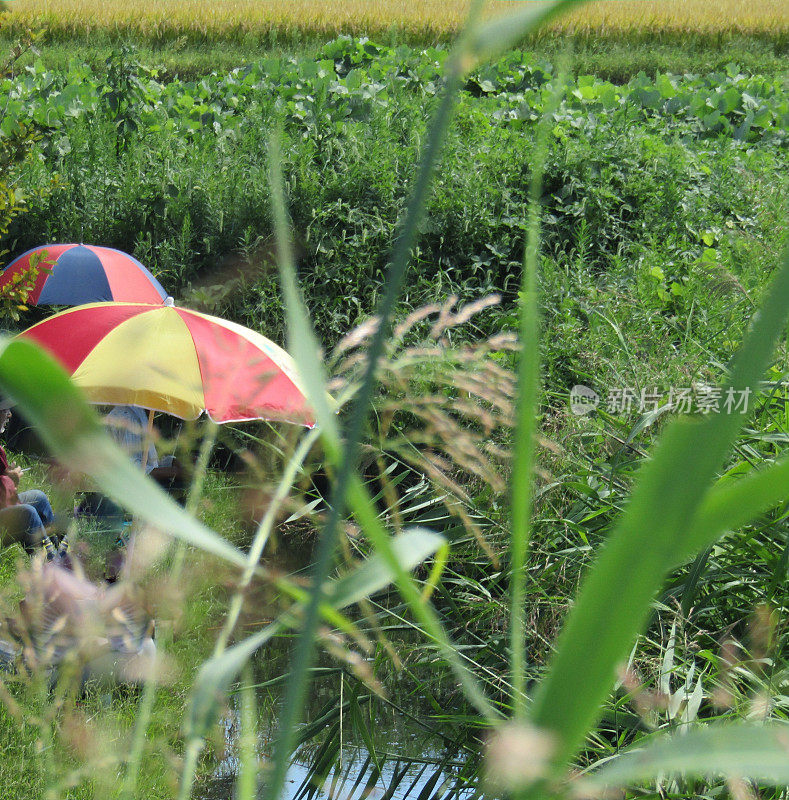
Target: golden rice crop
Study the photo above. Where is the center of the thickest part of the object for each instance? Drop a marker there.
(425, 20)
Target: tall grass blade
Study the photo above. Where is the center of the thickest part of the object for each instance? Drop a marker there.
(614, 601)
(690, 590)
(141, 723)
(527, 411)
(346, 467)
(302, 341)
(504, 31)
(262, 535)
(305, 351)
(360, 726)
(733, 750)
(246, 783)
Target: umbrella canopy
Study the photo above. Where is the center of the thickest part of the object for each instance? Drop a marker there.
(174, 360)
(85, 274)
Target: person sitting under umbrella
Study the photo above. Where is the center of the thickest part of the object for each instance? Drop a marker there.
(24, 516)
(128, 426)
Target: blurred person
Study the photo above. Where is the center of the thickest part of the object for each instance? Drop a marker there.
(128, 426)
(65, 615)
(24, 516)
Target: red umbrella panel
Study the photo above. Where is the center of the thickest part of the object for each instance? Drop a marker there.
(80, 273)
(174, 360)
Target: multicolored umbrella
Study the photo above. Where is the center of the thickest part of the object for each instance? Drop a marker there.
(174, 360)
(81, 273)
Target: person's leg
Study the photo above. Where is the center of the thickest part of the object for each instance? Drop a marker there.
(95, 504)
(171, 476)
(23, 524)
(39, 501)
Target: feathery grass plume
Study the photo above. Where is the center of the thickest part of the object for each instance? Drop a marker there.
(443, 412)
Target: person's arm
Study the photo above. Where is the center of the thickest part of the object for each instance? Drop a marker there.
(9, 469)
(14, 472)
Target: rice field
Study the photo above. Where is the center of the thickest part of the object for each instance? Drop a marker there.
(240, 20)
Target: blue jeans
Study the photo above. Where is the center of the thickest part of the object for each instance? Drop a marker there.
(26, 521)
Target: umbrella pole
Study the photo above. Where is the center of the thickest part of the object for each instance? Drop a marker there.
(147, 439)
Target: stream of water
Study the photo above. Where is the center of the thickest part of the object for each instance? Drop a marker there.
(430, 774)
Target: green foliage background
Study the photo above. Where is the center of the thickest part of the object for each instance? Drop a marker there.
(663, 215)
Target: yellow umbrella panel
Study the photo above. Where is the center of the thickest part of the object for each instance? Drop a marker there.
(174, 360)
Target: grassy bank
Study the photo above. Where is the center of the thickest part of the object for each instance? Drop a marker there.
(637, 176)
(71, 740)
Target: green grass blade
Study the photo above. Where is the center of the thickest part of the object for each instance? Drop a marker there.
(758, 752)
(306, 353)
(346, 464)
(302, 342)
(726, 508)
(458, 62)
(246, 783)
(734, 504)
(690, 590)
(505, 31)
(410, 549)
(523, 459)
(613, 603)
(141, 723)
(527, 413)
(262, 535)
(68, 425)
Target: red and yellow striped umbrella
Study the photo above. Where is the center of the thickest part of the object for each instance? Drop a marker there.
(174, 360)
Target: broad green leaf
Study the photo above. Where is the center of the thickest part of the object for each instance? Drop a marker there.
(734, 504)
(410, 548)
(758, 752)
(68, 425)
(727, 507)
(613, 603)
